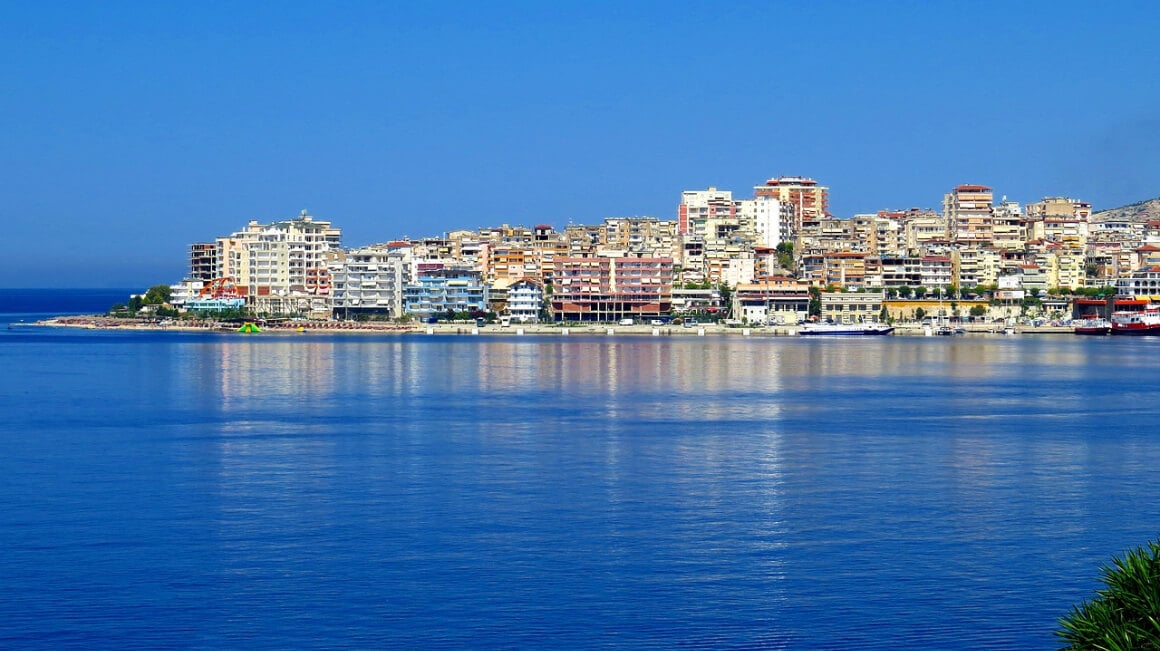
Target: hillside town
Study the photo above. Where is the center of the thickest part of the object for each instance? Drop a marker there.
(776, 257)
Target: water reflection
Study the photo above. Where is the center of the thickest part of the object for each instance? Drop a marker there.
(495, 491)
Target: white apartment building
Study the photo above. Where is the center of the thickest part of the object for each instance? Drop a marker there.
(699, 206)
(936, 271)
(766, 220)
(1143, 284)
(810, 201)
(1008, 225)
(371, 280)
(280, 267)
(520, 299)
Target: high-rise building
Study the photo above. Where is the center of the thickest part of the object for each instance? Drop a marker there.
(203, 261)
(967, 210)
(811, 201)
(699, 206)
(767, 221)
(371, 280)
(279, 266)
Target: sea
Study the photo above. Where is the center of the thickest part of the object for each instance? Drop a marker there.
(299, 491)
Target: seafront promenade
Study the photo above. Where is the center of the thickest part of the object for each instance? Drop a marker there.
(371, 327)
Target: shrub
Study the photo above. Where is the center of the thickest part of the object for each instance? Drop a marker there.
(1125, 614)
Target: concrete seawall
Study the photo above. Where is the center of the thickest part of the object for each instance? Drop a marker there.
(343, 327)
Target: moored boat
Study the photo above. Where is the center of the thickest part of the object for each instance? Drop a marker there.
(845, 329)
(1092, 326)
(1143, 322)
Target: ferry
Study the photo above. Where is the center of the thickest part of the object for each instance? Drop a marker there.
(844, 329)
(1145, 322)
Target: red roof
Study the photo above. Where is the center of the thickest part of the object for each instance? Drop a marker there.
(972, 188)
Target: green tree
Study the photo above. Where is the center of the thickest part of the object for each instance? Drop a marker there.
(726, 298)
(920, 292)
(785, 255)
(1125, 614)
(135, 304)
(919, 313)
(158, 294)
(815, 308)
(978, 311)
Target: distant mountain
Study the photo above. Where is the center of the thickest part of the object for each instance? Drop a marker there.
(1140, 211)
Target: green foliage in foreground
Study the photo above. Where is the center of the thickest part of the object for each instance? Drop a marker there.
(1125, 614)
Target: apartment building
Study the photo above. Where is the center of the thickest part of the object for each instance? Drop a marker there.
(698, 207)
(766, 221)
(1141, 284)
(1145, 257)
(777, 300)
(520, 299)
(1067, 268)
(922, 227)
(851, 307)
(844, 269)
(936, 271)
(1008, 225)
(599, 289)
(1059, 207)
(280, 267)
(809, 199)
(511, 262)
(371, 280)
(203, 261)
(445, 290)
(645, 236)
(974, 266)
(901, 271)
(967, 210)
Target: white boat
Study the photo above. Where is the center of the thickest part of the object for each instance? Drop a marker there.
(845, 329)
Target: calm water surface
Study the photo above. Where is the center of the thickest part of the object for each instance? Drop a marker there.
(225, 491)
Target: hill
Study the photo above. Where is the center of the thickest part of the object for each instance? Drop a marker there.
(1141, 211)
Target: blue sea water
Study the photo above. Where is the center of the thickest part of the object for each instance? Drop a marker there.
(322, 491)
(29, 305)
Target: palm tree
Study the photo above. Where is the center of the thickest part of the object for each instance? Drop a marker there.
(1126, 614)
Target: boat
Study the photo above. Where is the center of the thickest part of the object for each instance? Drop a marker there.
(947, 331)
(1145, 322)
(1092, 325)
(845, 329)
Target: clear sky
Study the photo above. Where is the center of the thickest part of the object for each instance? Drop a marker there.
(131, 129)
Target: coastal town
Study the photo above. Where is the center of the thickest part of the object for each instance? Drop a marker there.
(778, 258)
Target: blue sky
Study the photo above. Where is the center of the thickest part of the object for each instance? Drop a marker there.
(131, 129)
